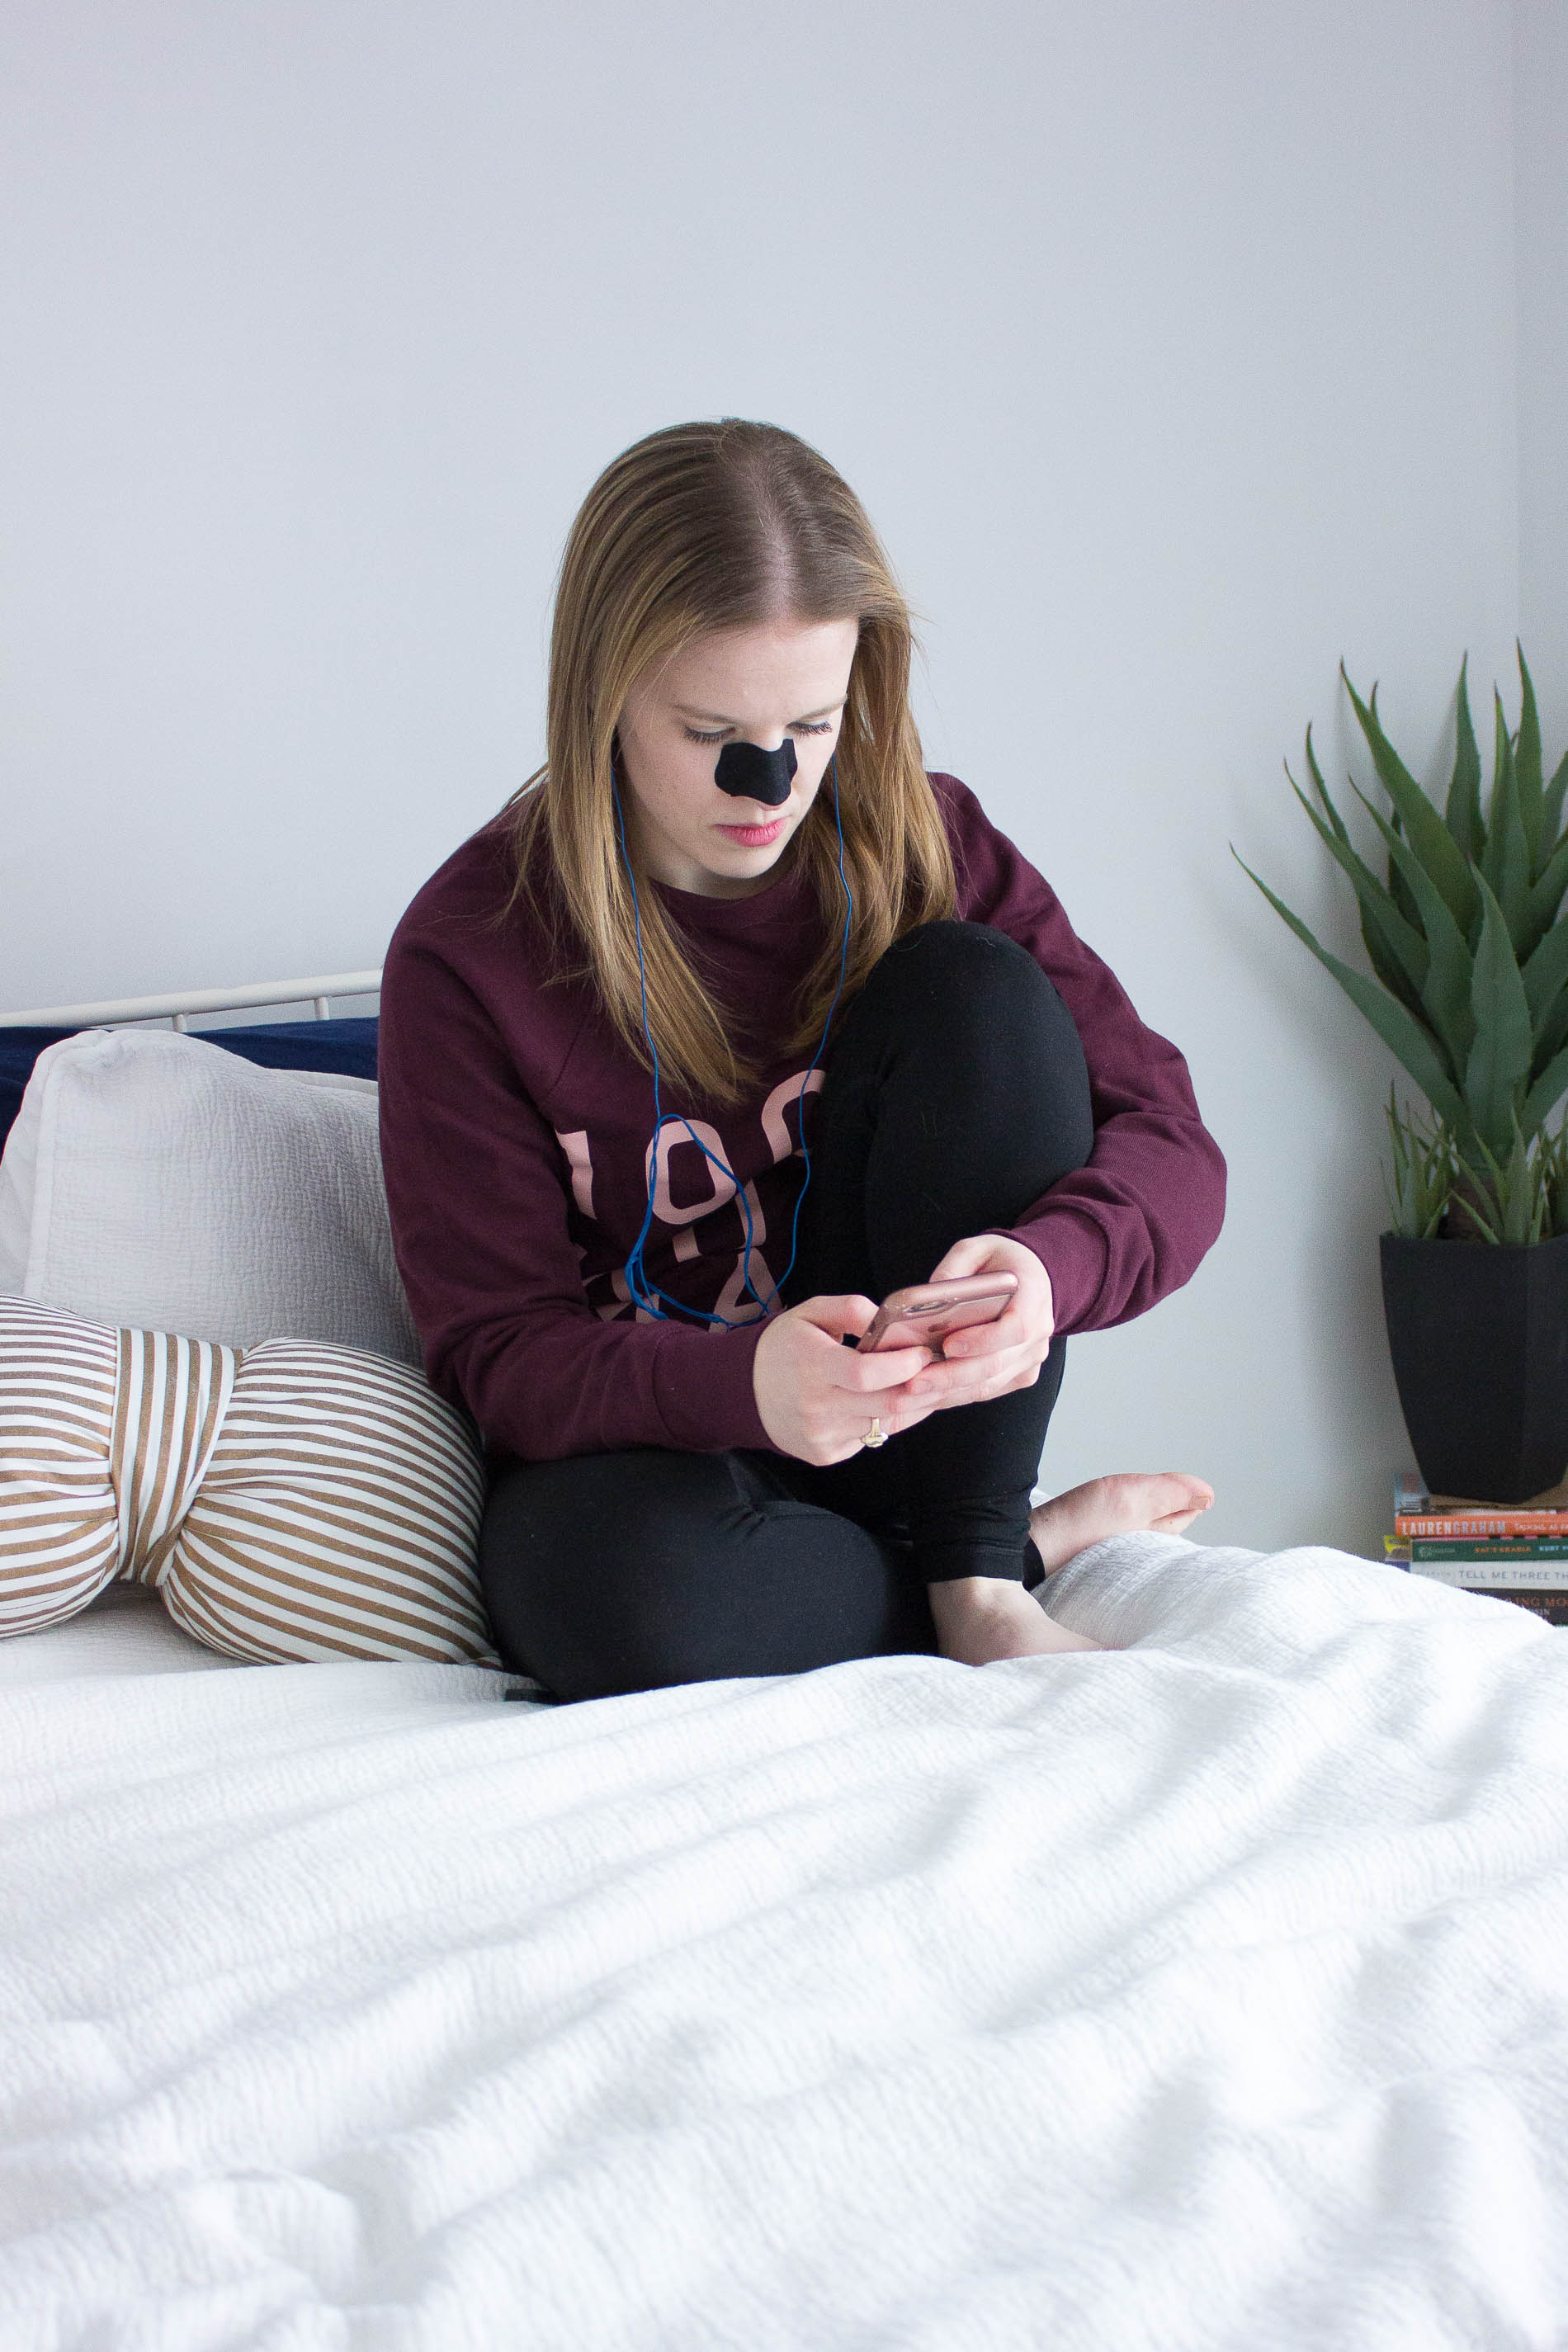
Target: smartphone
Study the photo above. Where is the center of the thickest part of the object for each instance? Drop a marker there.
(923, 1313)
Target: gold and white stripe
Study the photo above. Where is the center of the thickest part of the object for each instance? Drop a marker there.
(293, 1500)
(171, 1395)
(59, 1525)
(338, 1517)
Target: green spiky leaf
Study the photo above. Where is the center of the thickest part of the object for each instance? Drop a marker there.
(1506, 859)
(1412, 1045)
(1486, 1229)
(1464, 810)
(1322, 791)
(1527, 764)
(1424, 1173)
(1551, 800)
(1550, 1033)
(1546, 897)
(1384, 959)
(1398, 887)
(1450, 969)
(1518, 1188)
(1428, 836)
(1545, 1095)
(1546, 975)
(1404, 944)
(1498, 1069)
(1471, 988)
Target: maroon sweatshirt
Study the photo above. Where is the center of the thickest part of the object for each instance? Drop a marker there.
(515, 1130)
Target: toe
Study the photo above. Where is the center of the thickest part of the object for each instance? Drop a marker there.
(1180, 1491)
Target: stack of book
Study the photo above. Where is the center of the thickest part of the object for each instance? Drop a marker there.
(1509, 1551)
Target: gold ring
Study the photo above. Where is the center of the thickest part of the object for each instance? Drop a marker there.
(875, 1435)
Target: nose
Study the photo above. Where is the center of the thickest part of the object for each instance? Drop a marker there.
(746, 771)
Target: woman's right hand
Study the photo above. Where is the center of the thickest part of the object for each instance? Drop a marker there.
(818, 1398)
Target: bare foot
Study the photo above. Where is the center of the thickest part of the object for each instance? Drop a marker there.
(979, 1618)
(1165, 1500)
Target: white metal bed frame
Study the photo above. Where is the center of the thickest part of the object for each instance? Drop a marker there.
(114, 1012)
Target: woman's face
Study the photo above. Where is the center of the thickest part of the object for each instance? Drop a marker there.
(784, 679)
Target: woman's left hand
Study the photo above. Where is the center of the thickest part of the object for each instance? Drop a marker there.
(987, 1360)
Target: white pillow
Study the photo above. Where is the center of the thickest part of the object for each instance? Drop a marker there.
(154, 1180)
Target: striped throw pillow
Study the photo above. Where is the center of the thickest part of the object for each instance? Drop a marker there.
(293, 1500)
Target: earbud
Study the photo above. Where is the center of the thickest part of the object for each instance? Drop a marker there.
(642, 1290)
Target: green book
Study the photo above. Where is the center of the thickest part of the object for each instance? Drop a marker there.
(1477, 1548)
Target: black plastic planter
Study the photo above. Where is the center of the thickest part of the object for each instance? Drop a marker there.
(1478, 1335)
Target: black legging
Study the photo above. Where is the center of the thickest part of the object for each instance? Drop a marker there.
(955, 1093)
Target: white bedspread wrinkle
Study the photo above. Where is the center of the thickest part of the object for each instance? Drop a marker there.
(1207, 1992)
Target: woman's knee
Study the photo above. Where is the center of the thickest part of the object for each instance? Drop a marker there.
(965, 1018)
(951, 955)
(968, 982)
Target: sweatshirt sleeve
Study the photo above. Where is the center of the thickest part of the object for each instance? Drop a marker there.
(477, 1194)
(1132, 1224)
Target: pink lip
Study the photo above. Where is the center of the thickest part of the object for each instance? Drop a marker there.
(754, 836)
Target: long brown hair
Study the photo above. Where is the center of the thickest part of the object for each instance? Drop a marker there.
(719, 525)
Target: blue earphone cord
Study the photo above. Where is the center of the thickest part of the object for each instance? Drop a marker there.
(642, 1290)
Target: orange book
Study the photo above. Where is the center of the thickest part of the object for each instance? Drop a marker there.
(1417, 1513)
(1471, 1523)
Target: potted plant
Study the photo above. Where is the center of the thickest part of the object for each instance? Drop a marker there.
(1469, 990)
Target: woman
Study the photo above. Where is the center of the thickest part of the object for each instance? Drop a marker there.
(731, 902)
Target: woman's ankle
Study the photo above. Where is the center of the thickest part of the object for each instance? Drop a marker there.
(980, 1619)
(960, 1604)
(973, 1591)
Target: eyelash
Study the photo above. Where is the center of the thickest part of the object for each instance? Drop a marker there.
(803, 727)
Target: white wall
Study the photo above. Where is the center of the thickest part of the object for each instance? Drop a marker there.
(1171, 342)
(1541, 80)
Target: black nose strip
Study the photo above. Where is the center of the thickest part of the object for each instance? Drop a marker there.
(750, 773)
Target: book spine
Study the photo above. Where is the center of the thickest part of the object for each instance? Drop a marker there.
(1496, 1575)
(1480, 1548)
(1487, 1526)
(1553, 1606)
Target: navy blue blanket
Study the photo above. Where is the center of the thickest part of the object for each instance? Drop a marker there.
(346, 1045)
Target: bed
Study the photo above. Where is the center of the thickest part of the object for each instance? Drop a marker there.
(1208, 1991)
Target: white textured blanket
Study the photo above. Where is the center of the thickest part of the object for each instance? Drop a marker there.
(1212, 1993)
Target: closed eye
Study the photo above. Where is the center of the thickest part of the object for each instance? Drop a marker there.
(801, 727)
